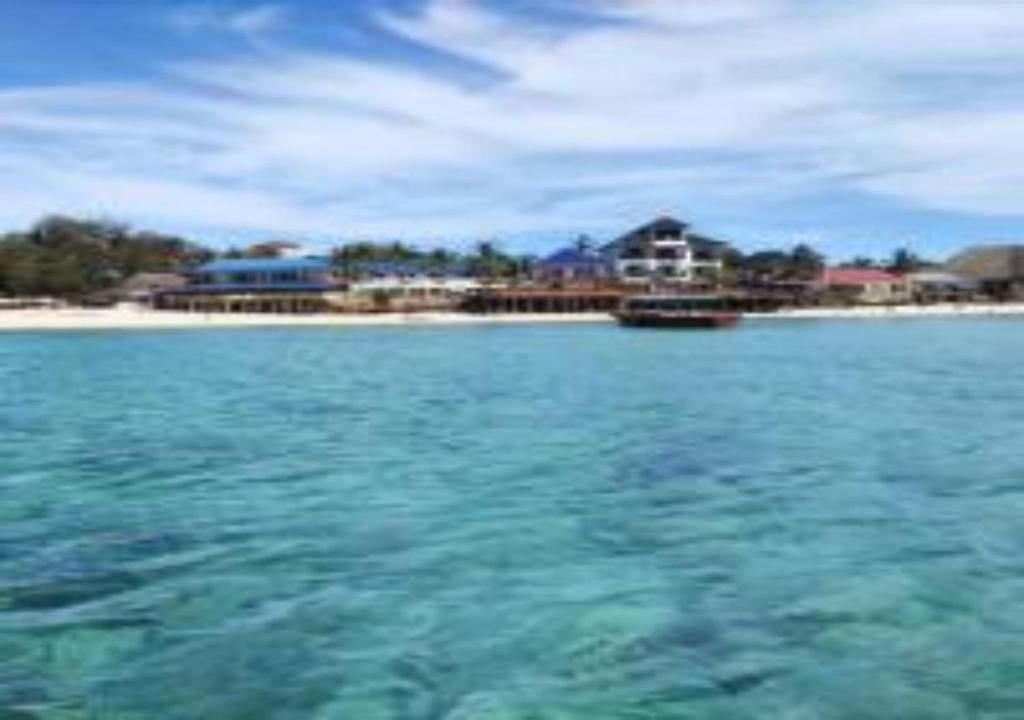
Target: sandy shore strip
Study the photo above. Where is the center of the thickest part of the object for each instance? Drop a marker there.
(144, 319)
(897, 312)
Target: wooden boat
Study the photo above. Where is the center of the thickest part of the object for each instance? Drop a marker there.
(676, 311)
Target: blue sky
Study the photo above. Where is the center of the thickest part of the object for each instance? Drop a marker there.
(856, 127)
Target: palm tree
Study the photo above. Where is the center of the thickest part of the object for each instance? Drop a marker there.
(906, 261)
(805, 262)
(487, 259)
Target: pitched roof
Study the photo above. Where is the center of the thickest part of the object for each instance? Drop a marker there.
(856, 276)
(151, 280)
(261, 265)
(572, 257)
(989, 262)
(663, 224)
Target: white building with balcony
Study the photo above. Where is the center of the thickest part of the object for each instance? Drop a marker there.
(665, 251)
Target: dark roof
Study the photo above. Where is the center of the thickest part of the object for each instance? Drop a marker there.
(572, 257)
(989, 262)
(261, 265)
(701, 243)
(660, 225)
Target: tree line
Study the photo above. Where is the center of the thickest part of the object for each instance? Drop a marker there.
(803, 263)
(72, 258)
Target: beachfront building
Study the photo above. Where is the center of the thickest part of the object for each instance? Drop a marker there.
(139, 289)
(665, 252)
(863, 286)
(578, 263)
(997, 269)
(936, 286)
(405, 286)
(267, 285)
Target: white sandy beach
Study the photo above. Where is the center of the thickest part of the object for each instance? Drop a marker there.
(127, 318)
(898, 312)
(122, 318)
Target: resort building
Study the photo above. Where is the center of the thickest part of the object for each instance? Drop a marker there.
(280, 285)
(665, 252)
(313, 284)
(577, 263)
(935, 286)
(863, 286)
(405, 286)
(140, 289)
(543, 300)
(998, 269)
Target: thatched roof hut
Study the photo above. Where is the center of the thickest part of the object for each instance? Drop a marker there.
(141, 287)
(999, 269)
(987, 263)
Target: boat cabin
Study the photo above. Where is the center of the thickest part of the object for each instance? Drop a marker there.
(677, 311)
(674, 303)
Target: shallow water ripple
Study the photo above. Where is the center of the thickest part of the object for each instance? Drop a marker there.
(792, 520)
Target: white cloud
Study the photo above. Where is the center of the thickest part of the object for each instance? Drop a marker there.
(721, 109)
(250, 21)
(692, 13)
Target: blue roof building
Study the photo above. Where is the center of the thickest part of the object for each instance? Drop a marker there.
(264, 285)
(571, 263)
(263, 275)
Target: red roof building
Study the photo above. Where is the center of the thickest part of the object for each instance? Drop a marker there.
(856, 276)
(865, 286)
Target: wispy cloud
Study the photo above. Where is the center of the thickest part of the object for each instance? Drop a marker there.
(726, 110)
(248, 21)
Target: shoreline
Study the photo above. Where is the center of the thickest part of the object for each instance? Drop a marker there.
(145, 319)
(894, 312)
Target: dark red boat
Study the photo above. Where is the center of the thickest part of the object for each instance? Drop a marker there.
(676, 311)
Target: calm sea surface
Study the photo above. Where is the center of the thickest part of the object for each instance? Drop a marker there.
(793, 520)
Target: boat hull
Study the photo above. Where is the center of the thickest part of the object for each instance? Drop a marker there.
(682, 321)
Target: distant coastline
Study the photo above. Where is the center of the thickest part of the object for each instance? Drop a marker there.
(120, 318)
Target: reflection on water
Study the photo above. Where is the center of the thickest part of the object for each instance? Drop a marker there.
(785, 521)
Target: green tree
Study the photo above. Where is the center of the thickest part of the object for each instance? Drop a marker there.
(906, 261)
(486, 261)
(71, 258)
(862, 262)
(766, 265)
(805, 262)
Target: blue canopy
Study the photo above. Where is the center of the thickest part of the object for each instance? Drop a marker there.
(229, 266)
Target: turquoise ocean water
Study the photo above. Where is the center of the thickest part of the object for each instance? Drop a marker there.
(793, 520)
